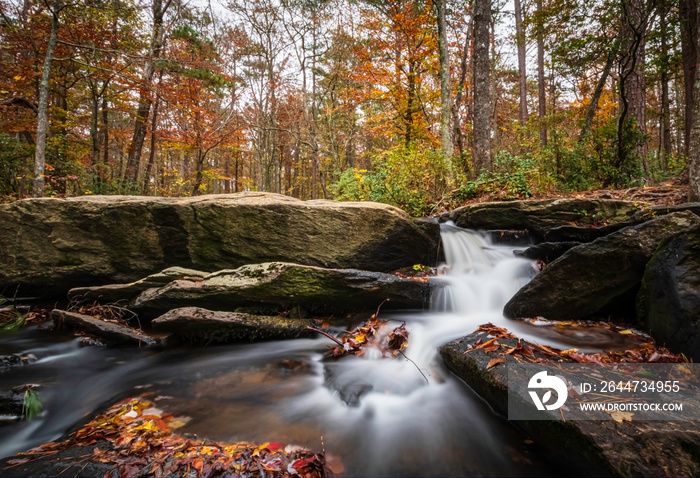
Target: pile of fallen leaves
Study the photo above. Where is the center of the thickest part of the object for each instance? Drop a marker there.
(355, 342)
(140, 442)
(646, 352)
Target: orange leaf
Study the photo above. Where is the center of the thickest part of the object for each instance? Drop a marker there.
(495, 361)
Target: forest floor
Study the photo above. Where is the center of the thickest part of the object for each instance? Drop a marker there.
(666, 193)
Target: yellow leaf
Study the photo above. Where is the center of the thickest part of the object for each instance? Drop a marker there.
(18, 77)
(626, 332)
(620, 417)
(360, 339)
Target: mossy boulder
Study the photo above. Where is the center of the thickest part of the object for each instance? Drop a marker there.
(51, 245)
(204, 327)
(591, 447)
(539, 216)
(668, 303)
(599, 278)
(127, 292)
(275, 287)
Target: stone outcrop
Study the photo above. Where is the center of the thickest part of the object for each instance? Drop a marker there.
(539, 216)
(204, 327)
(51, 245)
(600, 447)
(668, 304)
(275, 287)
(597, 278)
(111, 332)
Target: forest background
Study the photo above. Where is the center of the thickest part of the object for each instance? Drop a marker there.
(422, 104)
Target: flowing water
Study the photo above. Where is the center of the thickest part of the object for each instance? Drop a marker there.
(376, 416)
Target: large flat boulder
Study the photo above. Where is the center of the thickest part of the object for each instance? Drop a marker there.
(593, 447)
(51, 245)
(598, 278)
(668, 304)
(539, 216)
(204, 327)
(274, 287)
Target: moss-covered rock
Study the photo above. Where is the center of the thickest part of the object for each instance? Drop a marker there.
(588, 447)
(51, 245)
(204, 327)
(597, 278)
(540, 216)
(274, 287)
(668, 304)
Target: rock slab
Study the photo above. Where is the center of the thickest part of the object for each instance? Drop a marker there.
(204, 327)
(598, 278)
(50, 245)
(110, 332)
(274, 287)
(539, 216)
(601, 448)
(668, 303)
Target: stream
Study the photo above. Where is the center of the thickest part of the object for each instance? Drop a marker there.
(373, 416)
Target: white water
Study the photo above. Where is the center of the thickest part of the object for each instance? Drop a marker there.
(383, 417)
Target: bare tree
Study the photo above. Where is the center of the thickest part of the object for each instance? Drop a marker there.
(42, 124)
(522, 72)
(482, 83)
(445, 137)
(541, 96)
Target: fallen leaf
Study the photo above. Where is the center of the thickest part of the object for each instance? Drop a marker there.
(495, 361)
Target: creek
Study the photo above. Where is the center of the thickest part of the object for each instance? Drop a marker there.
(376, 416)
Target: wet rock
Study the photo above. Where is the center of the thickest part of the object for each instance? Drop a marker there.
(510, 237)
(50, 245)
(111, 332)
(7, 361)
(126, 292)
(275, 287)
(601, 448)
(584, 234)
(668, 304)
(203, 327)
(658, 211)
(539, 216)
(545, 251)
(598, 278)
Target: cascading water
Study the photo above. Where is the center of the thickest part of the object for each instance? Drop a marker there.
(381, 417)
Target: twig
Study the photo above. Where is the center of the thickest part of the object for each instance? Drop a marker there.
(415, 365)
(334, 339)
(376, 314)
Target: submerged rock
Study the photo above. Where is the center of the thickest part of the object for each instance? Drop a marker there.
(539, 216)
(110, 332)
(51, 245)
(669, 299)
(275, 287)
(202, 326)
(598, 278)
(600, 447)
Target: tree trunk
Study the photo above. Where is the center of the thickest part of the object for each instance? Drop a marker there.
(593, 107)
(133, 164)
(632, 78)
(42, 123)
(410, 100)
(456, 121)
(445, 137)
(694, 140)
(482, 83)
(688, 10)
(665, 122)
(150, 167)
(522, 72)
(541, 97)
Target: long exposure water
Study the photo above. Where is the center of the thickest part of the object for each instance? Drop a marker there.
(374, 416)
